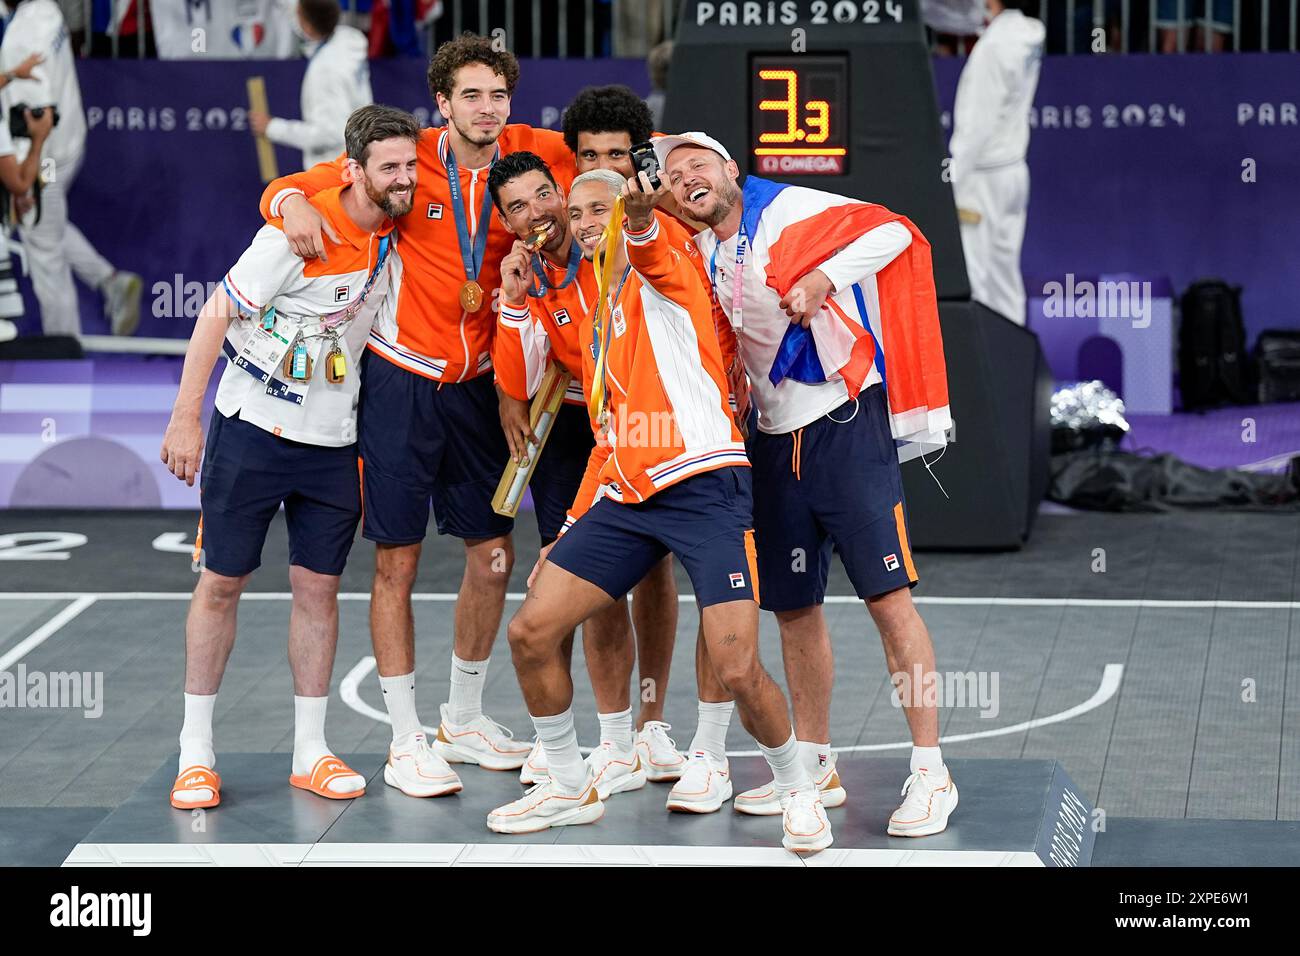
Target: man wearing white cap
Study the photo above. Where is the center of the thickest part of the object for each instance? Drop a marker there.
(830, 298)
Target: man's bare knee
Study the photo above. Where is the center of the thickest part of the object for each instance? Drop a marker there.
(531, 640)
(488, 562)
(219, 592)
(740, 674)
(396, 567)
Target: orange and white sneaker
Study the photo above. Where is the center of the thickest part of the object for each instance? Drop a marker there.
(548, 805)
(197, 788)
(330, 778)
(482, 741)
(928, 800)
(658, 752)
(419, 772)
(705, 785)
(805, 826)
(765, 801)
(614, 772)
(535, 768)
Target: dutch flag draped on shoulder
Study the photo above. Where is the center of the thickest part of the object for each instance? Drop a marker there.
(804, 228)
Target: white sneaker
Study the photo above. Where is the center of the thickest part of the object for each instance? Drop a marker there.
(547, 805)
(705, 785)
(535, 768)
(8, 331)
(614, 773)
(928, 800)
(765, 801)
(122, 302)
(482, 741)
(806, 828)
(658, 752)
(420, 772)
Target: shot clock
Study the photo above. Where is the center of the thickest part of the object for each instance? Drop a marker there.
(798, 116)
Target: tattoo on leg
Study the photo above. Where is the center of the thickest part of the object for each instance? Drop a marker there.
(729, 639)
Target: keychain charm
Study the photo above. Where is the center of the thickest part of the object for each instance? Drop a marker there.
(297, 363)
(268, 319)
(336, 366)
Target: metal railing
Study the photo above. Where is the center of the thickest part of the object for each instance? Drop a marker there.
(633, 26)
(1169, 26)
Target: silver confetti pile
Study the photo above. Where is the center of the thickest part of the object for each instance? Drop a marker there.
(1085, 406)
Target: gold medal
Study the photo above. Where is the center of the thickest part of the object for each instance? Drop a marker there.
(538, 238)
(471, 296)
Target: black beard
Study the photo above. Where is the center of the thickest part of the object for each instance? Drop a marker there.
(476, 138)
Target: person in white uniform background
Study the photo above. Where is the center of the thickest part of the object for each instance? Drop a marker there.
(17, 180)
(337, 82)
(55, 249)
(990, 137)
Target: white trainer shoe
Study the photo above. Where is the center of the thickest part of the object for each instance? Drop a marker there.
(548, 805)
(8, 331)
(705, 785)
(420, 772)
(658, 752)
(482, 741)
(614, 773)
(806, 828)
(122, 302)
(765, 801)
(928, 801)
(535, 768)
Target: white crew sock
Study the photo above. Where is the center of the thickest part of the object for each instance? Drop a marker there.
(788, 770)
(929, 759)
(817, 757)
(309, 743)
(466, 700)
(196, 733)
(711, 729)
(399, 698)
(616, 730)
(196, 743)
(560, 741)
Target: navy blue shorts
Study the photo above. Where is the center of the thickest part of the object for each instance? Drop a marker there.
(705, 521)
(428, 444)
(248, 472)
(559, 471)
(833, 483)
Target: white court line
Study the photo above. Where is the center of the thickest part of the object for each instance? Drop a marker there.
(42, 633)
(349, 691)
(923, 600)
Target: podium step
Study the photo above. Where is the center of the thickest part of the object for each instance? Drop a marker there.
(1012, 813)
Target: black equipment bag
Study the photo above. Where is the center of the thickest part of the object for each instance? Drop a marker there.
(1213, 367)
(1277, 356)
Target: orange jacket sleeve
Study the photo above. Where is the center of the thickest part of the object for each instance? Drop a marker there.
(520, 350)
(320, 177)
(668, 270)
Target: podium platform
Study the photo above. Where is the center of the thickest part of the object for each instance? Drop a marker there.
(1011, 813)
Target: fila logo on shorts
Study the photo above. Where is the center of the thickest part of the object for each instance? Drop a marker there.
(435, 210)
(737, 580)
(891, 562)
(562, 318)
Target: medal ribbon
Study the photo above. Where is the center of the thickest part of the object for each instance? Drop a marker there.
(604, 262)
(544, 284)
(471, 255)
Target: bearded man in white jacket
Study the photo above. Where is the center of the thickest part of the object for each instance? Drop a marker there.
(990, 137)
(337, 82)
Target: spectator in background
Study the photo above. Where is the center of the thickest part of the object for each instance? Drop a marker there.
(337, 82)
(17, 180)
(956, 23)
(54, 247)
(990, 179)
(1217, 20)
(657, 64)
(223, 29)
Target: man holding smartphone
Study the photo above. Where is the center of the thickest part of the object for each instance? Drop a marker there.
(56, 249)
